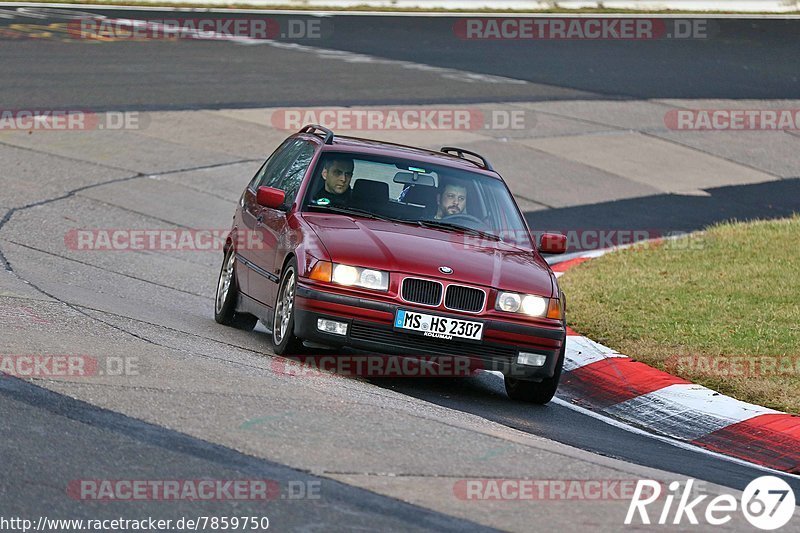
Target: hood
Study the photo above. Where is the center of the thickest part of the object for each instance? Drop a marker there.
(421, 251)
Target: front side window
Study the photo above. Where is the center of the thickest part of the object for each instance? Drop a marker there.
(268, 167)
(295, 171)
(285, 168)
(274, 168)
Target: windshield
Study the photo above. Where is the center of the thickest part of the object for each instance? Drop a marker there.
(416, 193)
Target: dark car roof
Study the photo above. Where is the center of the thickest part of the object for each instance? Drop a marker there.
(369, 146)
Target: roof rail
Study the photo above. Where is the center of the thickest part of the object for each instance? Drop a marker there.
(452, 150)
(312, 128)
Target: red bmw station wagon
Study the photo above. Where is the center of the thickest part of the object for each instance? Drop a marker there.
(339, 242)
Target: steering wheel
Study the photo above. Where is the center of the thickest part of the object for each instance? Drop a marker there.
(459, 217)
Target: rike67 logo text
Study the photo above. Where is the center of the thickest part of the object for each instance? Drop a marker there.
(767, 503)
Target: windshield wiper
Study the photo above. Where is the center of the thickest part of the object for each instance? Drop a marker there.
(354, 211)
(447, 225)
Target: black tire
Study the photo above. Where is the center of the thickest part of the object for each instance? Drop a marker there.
(538, 392)
(284, 341)
(225, 297)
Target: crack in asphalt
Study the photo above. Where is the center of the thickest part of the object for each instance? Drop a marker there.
(531, 200)
(83, 310)
(208, 193)
(406, 399)
(588, 120)
(7, 216)
(526, 434)
(133, 211)
(76, 159)
(724, 158)
(647, 132)
(53, 254)
(173, 441)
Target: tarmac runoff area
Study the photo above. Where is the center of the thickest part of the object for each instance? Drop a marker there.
(154, 309)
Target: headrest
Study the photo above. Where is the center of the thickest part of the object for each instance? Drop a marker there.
(420, 195)
(366, 191)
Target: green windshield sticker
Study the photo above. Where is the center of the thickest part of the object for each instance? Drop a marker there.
(415, 169)
(323, 201)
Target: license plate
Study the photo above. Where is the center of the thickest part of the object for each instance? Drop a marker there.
(440, 327)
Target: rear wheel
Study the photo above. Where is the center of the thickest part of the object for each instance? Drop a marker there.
(227, 294)
(538, 392)
(284, 341)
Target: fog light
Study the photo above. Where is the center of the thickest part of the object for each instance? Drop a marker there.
(331, 326)
(531, 359)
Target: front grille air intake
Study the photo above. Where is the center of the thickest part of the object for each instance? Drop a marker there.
(460, 298)
(422, 291)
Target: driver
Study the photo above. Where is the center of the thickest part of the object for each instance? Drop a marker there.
(451, 200)
(337, 172)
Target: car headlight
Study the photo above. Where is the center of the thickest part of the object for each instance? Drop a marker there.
(350, 276)
(345, 275)
(508, 301)
(529, 304)
(534, 305)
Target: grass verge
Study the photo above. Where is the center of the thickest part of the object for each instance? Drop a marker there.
(720, 308)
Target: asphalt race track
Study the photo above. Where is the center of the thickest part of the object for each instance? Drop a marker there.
(202, 401)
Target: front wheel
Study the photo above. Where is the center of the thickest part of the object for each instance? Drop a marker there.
(284, 342)
(538, 392)
(227, 293)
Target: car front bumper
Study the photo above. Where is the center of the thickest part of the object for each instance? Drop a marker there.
(370, 328)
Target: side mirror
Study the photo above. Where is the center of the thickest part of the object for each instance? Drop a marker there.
(270, 197)
(553, 243)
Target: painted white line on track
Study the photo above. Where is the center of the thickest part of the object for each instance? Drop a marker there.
(666, 440)
(325, 53)
(686, 411)
(352, 57)
(582, 351)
